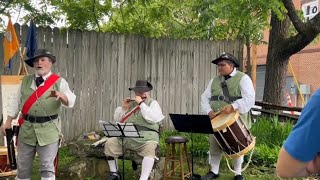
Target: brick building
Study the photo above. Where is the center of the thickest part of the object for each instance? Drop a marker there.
(305, 64)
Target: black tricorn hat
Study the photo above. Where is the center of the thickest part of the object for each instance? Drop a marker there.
(40, 53)
(141, 86)
(227, 56)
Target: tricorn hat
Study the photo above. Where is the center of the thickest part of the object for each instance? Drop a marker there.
(227, 56)
(141, 86)
(40, 53)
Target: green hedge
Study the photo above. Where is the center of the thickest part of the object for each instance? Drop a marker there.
(269, 132)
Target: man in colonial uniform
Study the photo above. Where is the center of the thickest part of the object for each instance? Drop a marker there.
(231, 90)
(41, 96)
(146, 114)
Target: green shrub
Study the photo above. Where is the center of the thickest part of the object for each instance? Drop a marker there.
(270, 131)
(200, 142)
(270, 135)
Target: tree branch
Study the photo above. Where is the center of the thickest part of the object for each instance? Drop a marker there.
(5, 6)
(95, 16)
(314, 23)
(301, 40)
(296, 21)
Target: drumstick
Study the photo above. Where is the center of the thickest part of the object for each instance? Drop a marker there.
(218, 113)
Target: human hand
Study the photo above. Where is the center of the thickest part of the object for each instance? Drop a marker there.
(126, 104)
(3, 128)
(227, 109)
(212, 114)
(138, 99)
(58, 95)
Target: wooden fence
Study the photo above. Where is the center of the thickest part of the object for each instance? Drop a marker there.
(101, 66)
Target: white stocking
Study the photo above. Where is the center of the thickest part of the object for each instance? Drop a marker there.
(146, 167)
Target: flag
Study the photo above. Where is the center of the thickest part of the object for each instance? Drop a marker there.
(31, 42)
(9, 64)
(10, 42)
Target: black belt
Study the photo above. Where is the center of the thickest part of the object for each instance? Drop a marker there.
(142, 128)
(39, 119)
(224, 98)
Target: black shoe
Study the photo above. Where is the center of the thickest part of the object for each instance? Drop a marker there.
(210, 175)
(238, 177)
(113, 176)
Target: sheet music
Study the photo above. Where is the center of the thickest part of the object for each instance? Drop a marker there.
(129, 129)
(113, 129)
(110, 129)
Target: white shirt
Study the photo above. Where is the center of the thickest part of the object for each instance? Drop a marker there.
(13, 107)
(243, 105)
(151, 114)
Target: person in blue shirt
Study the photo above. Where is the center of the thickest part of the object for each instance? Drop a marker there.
(299, 155)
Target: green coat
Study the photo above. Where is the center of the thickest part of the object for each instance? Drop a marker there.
(41, 133)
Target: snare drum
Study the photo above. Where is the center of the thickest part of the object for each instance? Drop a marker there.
(232, 135)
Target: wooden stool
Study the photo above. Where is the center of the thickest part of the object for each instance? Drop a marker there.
(172, 157)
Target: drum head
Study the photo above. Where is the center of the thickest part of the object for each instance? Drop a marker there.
(224, 120)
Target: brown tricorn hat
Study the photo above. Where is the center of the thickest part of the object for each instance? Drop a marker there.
(141, 86)
(40, 53)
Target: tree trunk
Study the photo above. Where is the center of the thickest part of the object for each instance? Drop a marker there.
(277, 64)
(276, 72)
(281, 47)
(248, 61)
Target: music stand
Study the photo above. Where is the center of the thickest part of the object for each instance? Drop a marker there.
(192, 123)
(120, 130)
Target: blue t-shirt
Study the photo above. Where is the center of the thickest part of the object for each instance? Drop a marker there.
(303, 143)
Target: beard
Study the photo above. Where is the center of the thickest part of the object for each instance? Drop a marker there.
(41, 72)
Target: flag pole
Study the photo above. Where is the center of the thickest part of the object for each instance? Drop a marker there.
(22, 66)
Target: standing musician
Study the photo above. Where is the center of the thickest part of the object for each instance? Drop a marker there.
(41, 96)
(231, 90)
(145, 113)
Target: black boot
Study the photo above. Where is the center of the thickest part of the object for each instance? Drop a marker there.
(239, 177)
(113, 176)
(209, 176)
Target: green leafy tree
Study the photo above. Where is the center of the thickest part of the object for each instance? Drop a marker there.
(26, 10)
(84, 14)
(282, 46)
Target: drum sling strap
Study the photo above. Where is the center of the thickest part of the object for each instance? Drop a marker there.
(225, 95)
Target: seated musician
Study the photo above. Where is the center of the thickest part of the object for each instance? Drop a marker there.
(229, 91)
(146, 116)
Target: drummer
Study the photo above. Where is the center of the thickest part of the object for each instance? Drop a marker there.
(229, 91)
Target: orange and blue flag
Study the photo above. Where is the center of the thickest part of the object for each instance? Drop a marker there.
(10, 42)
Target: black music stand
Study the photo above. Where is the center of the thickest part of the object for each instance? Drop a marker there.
(120, 130)
(192, 123)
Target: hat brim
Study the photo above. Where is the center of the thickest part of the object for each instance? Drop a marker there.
(30, 61)
(140, 89)
(216, 61)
